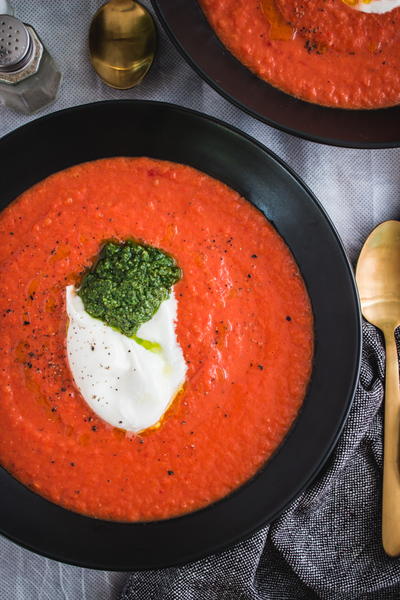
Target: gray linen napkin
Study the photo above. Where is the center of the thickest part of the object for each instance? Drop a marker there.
(326, 545)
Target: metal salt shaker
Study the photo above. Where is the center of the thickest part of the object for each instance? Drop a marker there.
(29, 78)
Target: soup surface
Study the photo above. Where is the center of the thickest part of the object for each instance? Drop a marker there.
(244, 323)
(325, 51)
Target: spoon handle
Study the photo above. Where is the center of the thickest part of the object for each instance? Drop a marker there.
(391, 465)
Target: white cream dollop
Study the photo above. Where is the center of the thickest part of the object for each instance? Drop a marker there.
(373, 6)
(125, 384)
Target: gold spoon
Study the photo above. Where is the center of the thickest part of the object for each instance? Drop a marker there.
(378, 280)
(122, 43)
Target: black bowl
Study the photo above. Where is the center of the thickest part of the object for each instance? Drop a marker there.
(136, 128)
(189, 29)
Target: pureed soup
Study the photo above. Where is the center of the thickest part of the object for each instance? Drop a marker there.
(340, 53)
(234, 312)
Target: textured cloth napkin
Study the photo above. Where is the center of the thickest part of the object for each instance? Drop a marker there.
(327, 544)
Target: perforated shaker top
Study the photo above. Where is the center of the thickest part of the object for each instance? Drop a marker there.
(15, 44)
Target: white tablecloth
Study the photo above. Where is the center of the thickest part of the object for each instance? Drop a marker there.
(358, 188)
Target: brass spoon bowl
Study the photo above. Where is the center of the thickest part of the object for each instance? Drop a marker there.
(122, 43)
(378, 280)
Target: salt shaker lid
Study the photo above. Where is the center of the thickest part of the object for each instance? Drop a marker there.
(15, 44)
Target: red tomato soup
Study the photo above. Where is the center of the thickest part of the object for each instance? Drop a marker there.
(244, 323)
(323, 51)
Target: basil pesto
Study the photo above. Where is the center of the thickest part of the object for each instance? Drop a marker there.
(127, 284)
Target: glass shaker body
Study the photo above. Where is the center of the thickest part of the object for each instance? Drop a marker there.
(30, 82)
(6, 8)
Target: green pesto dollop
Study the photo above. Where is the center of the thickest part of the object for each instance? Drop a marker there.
(127, 284)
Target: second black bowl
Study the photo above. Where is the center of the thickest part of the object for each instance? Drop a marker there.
(189, 29)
